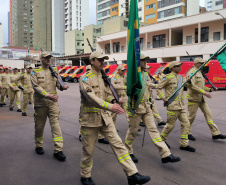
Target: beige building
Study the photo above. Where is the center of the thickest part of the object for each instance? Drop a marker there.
(74, 42)
(1, 35)
(200, 35)
(43, 24)
(92, 32)
(21, 23)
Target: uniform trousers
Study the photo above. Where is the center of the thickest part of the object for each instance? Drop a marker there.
(3, 94)
(26, 98)
(12, 97)
(156, 113)
(41, 114)
(192, 111)
(148, 119)
(172, 116)
(89, 138)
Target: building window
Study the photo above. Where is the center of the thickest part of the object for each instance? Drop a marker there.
(177, 10)
(150, 16)
(115, 9)
(114, 16)
(100, 22)
(108, 12)
(151, 6)
(98, 30)
(82, 34)
(126, 23)
(140, 9)
(204, 34)
(77, 43)
(218, 2)
(116, 47)
(159, 41)
(188, 39)
(141, 43)
(161, 4)
(177, 1)
(107, 48)
(216, 36)
(149, 45)
(122, 48)
(162, 14)
(99, 15)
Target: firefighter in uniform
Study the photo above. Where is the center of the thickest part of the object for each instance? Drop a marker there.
(154, 108)
(28, 91)
(46, 105)
(196, 99)
(14, 90)
(96, 102)
(177, 108)
(3, 85)
(145, 114)
(118, 82)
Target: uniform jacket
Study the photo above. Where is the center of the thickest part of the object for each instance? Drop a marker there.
(44, 84)
(3, 80)
(25, 80)
(119, 85)
(13, 81)
(197, 88)
(170, 83)
(96, 100)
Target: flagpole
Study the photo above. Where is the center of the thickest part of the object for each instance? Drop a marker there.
(193, 74)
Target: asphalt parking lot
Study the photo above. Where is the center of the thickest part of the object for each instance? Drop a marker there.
(20, 165)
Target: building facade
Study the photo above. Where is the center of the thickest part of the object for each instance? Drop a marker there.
(21, 23)
(150, 11)
(217, 5)
(1, 35)
(58, 27)
(76, 14)
(200, 35)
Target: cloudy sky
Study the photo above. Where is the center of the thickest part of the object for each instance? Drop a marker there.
(4, 9)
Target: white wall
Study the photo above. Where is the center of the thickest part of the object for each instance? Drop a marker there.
(58, 24)
(218, 7)
(192, 7)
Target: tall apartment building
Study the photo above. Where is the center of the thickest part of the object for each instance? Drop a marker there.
(150, 11)
(21, 23)
(58, 24)
(1, 35)
(76, 14)
(172, 9)
(42, 24)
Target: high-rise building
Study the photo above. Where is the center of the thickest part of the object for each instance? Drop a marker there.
(58, 24)
(208, 5)
(8, 29)
(1, 35)
(42, 16)
(21, 23)
(150, 11)
(76, 14)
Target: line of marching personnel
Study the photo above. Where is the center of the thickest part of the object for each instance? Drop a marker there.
(99, 109)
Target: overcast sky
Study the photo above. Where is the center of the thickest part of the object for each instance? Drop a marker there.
(4, 9)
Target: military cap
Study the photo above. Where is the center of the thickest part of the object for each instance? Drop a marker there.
(98, 54)
(174, 63)
(88, 68)
(143, 57)
(45, 54)
(121, 67)
(28, 67)
(198, 60)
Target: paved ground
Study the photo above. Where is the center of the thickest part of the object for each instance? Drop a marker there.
(20, 165)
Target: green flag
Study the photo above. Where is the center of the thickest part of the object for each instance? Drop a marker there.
(134, 80)
(221, 57)
(35, 48)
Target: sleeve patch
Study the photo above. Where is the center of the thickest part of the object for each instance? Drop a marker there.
(85, 79)
(88, 90)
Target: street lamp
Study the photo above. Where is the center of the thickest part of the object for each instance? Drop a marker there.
(217, 13)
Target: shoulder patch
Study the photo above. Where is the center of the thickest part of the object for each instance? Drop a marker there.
(85, 79)
(163, 78)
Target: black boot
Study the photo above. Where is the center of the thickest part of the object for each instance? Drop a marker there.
(19, 110)
(29, 102)
(39, 150)
(104, 141)
(11, 109)
(161, 123)
(80, 138)
(60, 156)
(134, 159)
(191, 137)
(171, 159)
(188, 148)
(142, 124)
(1, 105)
(139, 130)
(24, 114)
(4, 103)
(87, 181)
(220, 136)
(138, 179)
